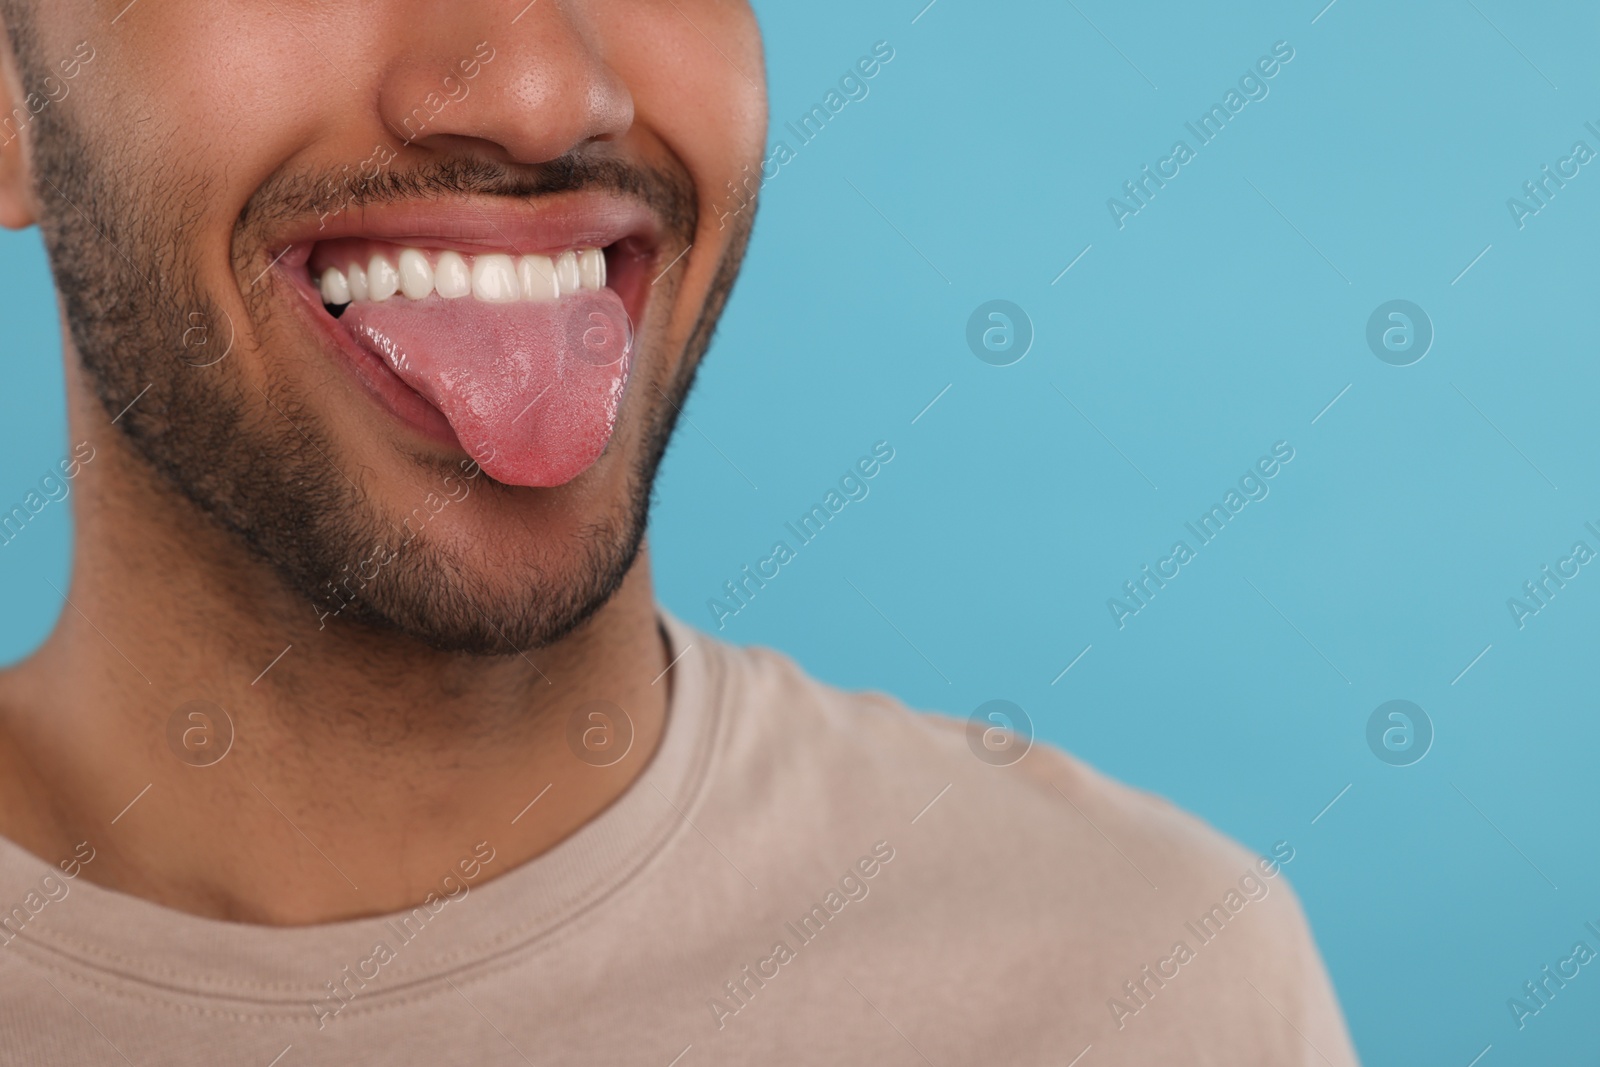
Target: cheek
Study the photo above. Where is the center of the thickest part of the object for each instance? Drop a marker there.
(695, 71)
(698, 83)
(248, 96)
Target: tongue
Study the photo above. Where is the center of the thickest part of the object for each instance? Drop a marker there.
(531, 389)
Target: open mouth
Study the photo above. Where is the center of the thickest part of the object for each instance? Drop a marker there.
(520, 359)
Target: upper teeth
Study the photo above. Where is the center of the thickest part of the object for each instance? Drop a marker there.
(494, 277)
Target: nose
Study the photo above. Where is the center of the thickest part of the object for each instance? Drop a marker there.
(524, 82)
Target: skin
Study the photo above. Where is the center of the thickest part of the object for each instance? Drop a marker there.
(393, 737)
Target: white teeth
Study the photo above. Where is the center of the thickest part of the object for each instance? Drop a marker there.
(592, 268)
(383, 281)
(537, 275)
(567, 272)
(493, 277)
(452, 277)
(416, 274)
(335, 290)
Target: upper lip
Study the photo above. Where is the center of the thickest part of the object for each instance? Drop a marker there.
(479, 224)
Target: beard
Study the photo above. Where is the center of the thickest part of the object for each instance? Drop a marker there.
(260, 463)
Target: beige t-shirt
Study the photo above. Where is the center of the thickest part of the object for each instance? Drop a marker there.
(801, 876)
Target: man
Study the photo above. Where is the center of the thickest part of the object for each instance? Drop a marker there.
(361, 739)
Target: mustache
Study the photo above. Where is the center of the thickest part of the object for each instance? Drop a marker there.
(286, 197)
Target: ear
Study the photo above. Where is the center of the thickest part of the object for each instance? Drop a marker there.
(19, 205)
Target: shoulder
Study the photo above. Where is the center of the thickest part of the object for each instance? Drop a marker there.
(1033, 795)
(1046, 871)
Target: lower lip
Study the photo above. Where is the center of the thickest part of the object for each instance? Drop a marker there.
(373, 374)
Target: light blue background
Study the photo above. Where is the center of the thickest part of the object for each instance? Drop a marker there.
(1209, 328)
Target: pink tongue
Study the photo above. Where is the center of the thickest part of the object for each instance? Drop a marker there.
(531, 389)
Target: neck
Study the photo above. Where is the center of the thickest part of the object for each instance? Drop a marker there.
(363, 767)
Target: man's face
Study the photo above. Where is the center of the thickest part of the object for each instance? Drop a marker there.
(198, 175)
